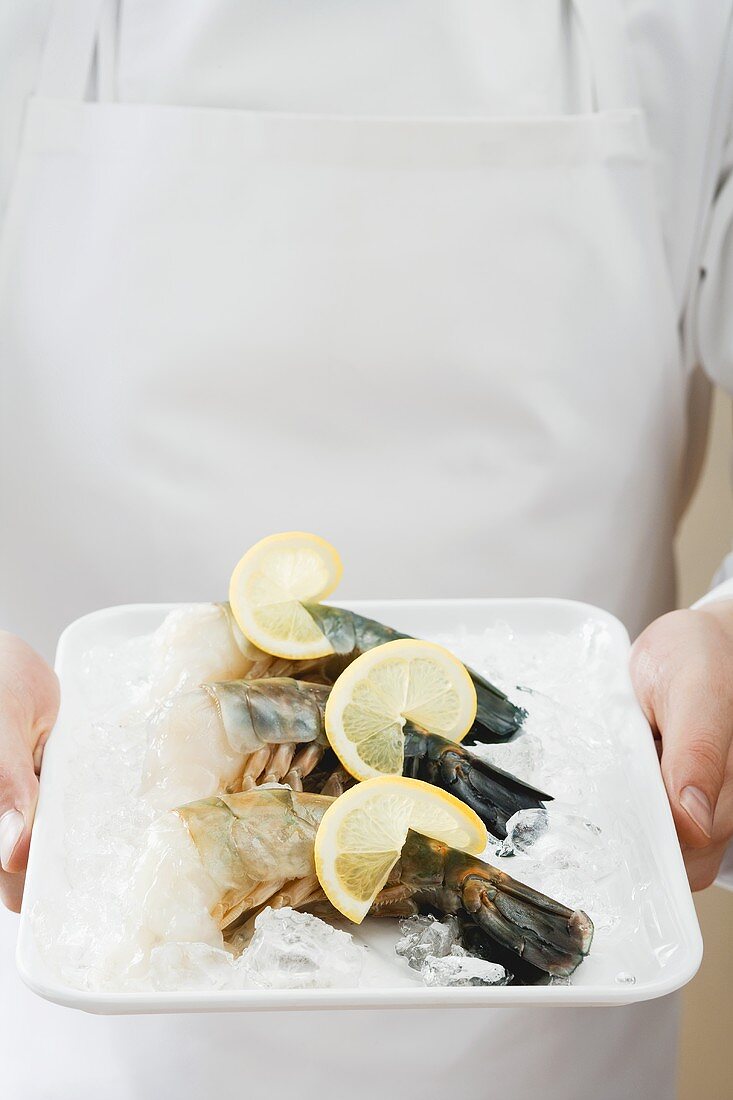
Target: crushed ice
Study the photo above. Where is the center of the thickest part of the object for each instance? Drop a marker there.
(292, 950)
(425, 937)
(99, 935)
(289, 950)
(452, 970)
(433, 948)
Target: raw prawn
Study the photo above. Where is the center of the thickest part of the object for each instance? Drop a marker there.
(233, 735)
(256, 848)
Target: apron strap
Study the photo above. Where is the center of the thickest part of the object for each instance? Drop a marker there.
(603, 25)
(80, 41)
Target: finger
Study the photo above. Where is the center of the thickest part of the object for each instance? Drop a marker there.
(703, 864)
(28, 707)
(11, 890)
(695, 716)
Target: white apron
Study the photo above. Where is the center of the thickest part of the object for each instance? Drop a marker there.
(448, 345)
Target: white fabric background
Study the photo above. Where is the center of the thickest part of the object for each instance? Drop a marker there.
(496, 58)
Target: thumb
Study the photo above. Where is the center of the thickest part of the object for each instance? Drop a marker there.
(29, 699)
(696, 736)
(684, 688)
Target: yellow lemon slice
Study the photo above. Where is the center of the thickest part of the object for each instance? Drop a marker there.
(361, 835)
(269, 586)
(404, 680)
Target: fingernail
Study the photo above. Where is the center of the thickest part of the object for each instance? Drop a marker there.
(697, 805)
(12, 824)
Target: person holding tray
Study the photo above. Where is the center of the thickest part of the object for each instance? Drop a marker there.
(452, 279)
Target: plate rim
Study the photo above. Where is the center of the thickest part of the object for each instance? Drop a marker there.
(132, 1002)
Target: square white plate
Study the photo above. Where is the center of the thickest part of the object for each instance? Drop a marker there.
(663, 951)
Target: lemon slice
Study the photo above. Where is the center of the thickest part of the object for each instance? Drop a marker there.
(361, 835)
(271, 583)
(387, 686)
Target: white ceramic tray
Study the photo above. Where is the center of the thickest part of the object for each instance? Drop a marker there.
(663, 951)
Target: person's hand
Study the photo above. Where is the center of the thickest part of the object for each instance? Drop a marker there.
(682, 668)
(29, 702)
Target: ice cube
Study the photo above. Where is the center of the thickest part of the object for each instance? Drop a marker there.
(523, 830)
(574, 746)
(563, 841)
(462, 970)
(522, 756)
(424, 936)
(193, 966)
(569, 858)
(293, 950)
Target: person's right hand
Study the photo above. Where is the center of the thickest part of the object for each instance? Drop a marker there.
(29, 703)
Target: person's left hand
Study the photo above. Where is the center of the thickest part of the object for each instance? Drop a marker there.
(682, 669)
